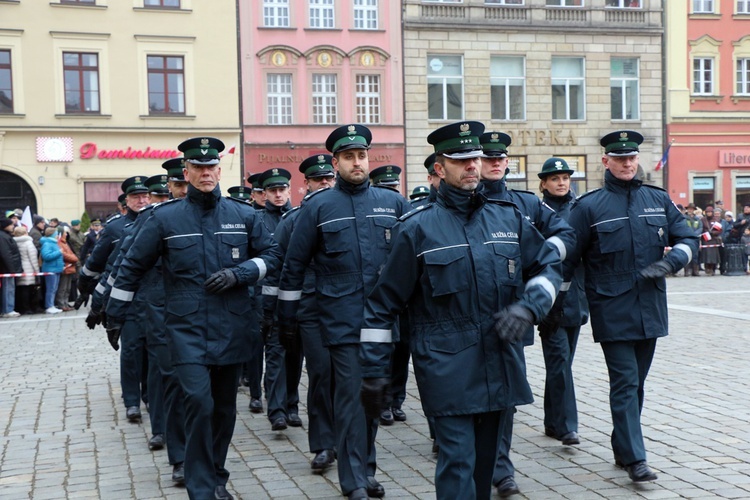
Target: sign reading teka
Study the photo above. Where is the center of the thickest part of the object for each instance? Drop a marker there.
(89, 151)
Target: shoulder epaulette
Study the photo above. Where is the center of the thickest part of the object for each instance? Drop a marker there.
(167, 203)
(582, 196)
(293, 209)
(415, 211)
(114, 217)
(146, 208)
(654, 187)
(244, 202)
(314, 193)
(505, 203)
(523, 191)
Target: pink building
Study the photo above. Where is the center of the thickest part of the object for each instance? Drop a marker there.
(708, 102)
(308, 66)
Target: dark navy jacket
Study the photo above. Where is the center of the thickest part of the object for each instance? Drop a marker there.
(108, 237)
(197, 236)
(621, 229)
(347, 230)
(575, 307)
(455, 263)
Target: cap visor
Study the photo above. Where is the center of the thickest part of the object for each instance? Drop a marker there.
(622, 153)
(321, 175)
(206, 162)
(490, 154)
(464, 155)
(345, 147)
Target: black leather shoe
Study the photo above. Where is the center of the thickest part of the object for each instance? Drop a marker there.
(256, 406)
(386, 417)
(133, 414)
(323, 460)
(507, 487)
(358, 494)
(570, 439)
(221, 493)
(178, 473)
(156, 442)
(293, 419)
(640, 472)
(398, 415)
(374, 488)
(278, 424)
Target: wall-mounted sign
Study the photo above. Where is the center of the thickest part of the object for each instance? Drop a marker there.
(54, 149)
(89, 150)
(703, 183)
(734, 157)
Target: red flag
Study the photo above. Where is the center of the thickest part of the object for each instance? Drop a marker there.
(229, 151)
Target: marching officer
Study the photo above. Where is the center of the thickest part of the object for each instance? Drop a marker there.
(258, 194)
(557, 233)
(419, 194)
(622, 230)
(212, 249)
(386, 176)
(559, 344)
(240, 193)
(459, 264)
(319, 174)
(347, 231)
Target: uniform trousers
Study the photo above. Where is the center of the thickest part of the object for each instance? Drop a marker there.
(293, 367)
(468, 452)
(153, 317)
(275, 377)
(210, 413)
(253, 368)
(399, 372)
(320, 430)
(560, 410)
(628, 363)
(355, 435)
(174, 404)
(133, 354)
(504, 466)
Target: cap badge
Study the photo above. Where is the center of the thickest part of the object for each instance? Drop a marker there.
(275, 171)
(389, 169)
(138, 179)
(321, 159)
(351, 130)
(465, 129)
(558, 165)
(495, 137)
(204, 142)
(623, 136)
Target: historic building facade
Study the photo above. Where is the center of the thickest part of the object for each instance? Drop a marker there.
(554, 74)
(94, 91)
(310, 66)
(708, 97)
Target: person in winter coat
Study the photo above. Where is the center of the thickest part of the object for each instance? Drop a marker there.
(710, 241)
(30, 262)
(52, 262)
(10, 262)
(70, 261)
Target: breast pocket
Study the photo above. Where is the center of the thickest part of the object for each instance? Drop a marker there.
(447, 270)
(612, 236)
(183, 254)
(382, 231)
(337, 236)
(657, 230)
(508, 264)
(233, 249)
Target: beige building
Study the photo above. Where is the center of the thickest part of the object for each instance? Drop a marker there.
(94, 91)
(554, 74)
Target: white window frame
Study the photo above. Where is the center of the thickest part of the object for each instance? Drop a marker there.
(366, 14)
(443, 82)
(568, 83)
(11, 40)
(504, 81)
(743, 6)
(625, 4)
(703, 6)
(564, 3)
(322, 14)
(699, 80)
(149, 45)
(623, 80)
(276, 13)
(743, 76)
(279, 102)
(324, 98)
(513, 3)
(369, 112)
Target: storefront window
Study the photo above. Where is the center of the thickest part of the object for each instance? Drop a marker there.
(101, 199)
(703, 191)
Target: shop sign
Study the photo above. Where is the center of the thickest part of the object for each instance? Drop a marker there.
(734, 157)
(703, 183)
(89, 151)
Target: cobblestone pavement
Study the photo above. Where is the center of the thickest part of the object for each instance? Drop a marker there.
(64, 432)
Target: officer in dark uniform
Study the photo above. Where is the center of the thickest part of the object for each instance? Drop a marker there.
(386, 176)
(347, 231)
(459, 264)
(622, 230)
(212, 249)
(275, 182)
(559, 345)
(122, 205)
(418, 194)
(252, 370)
(240, 193)
(176, 182)
(90, 241)
(557, 232)
(319, 174)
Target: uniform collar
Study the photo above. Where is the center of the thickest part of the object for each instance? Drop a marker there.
(204, 200)
(614, 184)
(458, 200)
(350, 188)
(270, 207)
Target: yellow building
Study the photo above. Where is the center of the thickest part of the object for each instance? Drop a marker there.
(94, 91)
